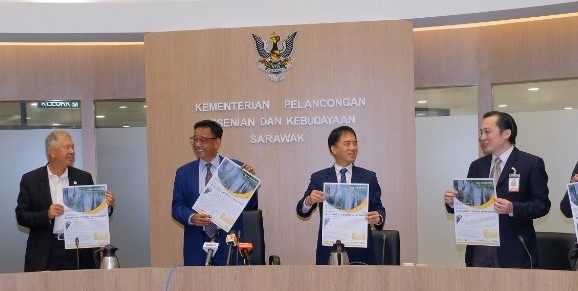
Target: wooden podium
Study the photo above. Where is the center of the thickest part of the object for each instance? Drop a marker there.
(295, 278)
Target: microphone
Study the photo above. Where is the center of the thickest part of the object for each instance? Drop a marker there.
(245, 248)
(521, 239)
(231, 241)
(210, 248)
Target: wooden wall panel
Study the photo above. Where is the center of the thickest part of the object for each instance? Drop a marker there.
(505, 53)
(373, 60)
(73, 72)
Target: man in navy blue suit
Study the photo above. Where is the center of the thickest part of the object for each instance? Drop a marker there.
(190, 179)
(517, 204)
(342, 144)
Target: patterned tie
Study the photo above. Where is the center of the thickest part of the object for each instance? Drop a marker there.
(343, 178)
(211, 228)
(496, 170)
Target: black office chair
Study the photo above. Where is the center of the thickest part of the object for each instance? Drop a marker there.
(254, 233)
(554, 250)
(387, 246)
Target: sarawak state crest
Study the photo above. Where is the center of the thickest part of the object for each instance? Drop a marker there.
(277, 60)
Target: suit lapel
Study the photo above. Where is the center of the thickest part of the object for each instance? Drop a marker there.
(331, 176)
(354, 175)
(45, 186)
(512, 159)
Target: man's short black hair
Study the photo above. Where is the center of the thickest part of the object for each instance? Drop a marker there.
(215, 127)
(337, 133)
(505, 121)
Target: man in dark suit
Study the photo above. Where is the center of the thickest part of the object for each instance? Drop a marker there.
(517, 205)
(40, 208)
(565, 203)
(190, 179)
(342, 144)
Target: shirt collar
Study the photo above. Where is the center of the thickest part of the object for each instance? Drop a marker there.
(504, 157)
(64, 175)
(348, 167)
(214, 162)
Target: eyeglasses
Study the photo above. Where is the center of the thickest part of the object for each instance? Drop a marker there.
(202, 140)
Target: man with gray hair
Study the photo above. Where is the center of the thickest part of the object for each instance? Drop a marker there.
(40, 208)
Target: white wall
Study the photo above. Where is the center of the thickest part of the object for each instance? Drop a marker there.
(122, 165)
(551, 135)
(445, 147)
(21, 151)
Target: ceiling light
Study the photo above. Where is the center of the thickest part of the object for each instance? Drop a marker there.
(28, 118)
(100, 116)
(568, 108)
(421, 114)
(56, 124)
(33, 104)
(533, 89)
(123, 107)
(503, 105)
(126, 126)
(421, 101)
(145, 106)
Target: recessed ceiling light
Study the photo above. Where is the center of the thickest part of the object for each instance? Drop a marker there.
(126, 126)
(123, 107)
(145, 106)
(568, 108)
(33, 104)
(503, 105)
(421, 114)
(533, 89)
(100, 116)
(56, 124)
(28, 118)
(421, 101)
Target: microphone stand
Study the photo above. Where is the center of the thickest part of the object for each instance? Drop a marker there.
(76, 241)
(521, 239)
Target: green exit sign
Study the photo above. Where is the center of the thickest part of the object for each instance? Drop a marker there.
(75, 104)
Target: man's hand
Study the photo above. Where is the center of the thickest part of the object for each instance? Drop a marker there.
(55, 210)
(503, 206)
(200, 219)
(315, 196)
(449, 197)
(373, 217)
(109, 198)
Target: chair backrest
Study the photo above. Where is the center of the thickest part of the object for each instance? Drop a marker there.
(554, 250)
(254, 233)
(387, 246)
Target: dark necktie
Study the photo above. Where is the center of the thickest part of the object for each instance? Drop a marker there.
(343, 178)
(211, 228)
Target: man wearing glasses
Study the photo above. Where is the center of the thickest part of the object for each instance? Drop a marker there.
(190, 179)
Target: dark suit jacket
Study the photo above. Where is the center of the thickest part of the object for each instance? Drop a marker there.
(529, 203)
(358, 175)
(565, 203)
(185, 194)
(32, 211)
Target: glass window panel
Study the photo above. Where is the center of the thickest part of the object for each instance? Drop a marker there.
(53, 117)
(10, 114)
(536, 96)
(448, 101)
(120, 113)
(27, 114)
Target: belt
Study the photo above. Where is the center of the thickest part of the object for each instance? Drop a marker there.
(58, 236)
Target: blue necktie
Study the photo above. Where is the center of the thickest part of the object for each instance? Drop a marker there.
(343, 178)
(211, 228)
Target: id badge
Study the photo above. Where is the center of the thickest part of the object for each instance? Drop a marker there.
(514, 181)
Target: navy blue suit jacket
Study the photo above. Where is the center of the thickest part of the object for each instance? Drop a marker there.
(185, 194)
(565, 203)
(529, 203)
(358, 175)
